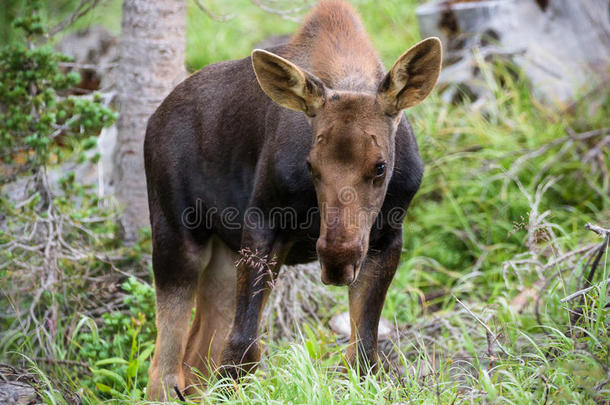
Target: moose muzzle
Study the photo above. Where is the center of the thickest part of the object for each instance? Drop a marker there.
(340, 261)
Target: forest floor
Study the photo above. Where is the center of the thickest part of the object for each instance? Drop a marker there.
(501, 295)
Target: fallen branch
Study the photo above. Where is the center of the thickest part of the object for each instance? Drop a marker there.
(576, 314)
(571, 137)
(597, 229)
(495, 339)
(581, 292)
(49, 360)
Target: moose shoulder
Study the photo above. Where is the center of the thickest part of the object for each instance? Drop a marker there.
(296, 152)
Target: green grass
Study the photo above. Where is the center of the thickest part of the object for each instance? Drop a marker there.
(467, 232)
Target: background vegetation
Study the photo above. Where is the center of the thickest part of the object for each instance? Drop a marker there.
(495, 242)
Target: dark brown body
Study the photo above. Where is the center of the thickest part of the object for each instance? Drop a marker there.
(209, 146)
(219, 147)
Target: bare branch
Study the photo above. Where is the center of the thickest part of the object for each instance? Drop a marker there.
(88, 66)
(581, 292)
(485, 326)
(290, 14)
(211, 14)
(571, 138)
(83, 8)
(597, 229)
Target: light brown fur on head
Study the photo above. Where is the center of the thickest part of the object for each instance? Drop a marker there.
(350, 159)
(333, 45)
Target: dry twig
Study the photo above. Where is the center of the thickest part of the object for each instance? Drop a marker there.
(289, 14)
(211, 14)
(83, 8)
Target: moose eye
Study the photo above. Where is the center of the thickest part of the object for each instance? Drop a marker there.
(379, 169)
(308, 166)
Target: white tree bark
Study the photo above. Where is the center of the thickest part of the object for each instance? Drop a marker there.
(153, 42)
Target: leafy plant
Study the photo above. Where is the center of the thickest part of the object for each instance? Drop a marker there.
(119, 350)
(37, 118)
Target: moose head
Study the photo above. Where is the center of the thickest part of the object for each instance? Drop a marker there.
(353, 145)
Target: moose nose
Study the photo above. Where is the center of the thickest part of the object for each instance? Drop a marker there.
(338, 276)
(339, 260)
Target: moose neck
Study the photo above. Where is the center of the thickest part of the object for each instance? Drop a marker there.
(333, 45)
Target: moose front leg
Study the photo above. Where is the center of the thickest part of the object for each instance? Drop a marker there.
(366, 298)
(255, 273)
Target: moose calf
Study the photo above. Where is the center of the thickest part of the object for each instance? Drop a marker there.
(313, 130)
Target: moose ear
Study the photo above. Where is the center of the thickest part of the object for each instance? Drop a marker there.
(287, 84)
(412, 76)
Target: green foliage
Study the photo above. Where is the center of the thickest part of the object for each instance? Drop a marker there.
(60, 236)
(50, 230)
(472, 209)
(393, 23)
(35, 113)
(119, 350)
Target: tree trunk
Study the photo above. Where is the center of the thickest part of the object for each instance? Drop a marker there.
(153, 41)
(563, 46)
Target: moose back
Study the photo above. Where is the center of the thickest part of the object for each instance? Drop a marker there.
(295, 153)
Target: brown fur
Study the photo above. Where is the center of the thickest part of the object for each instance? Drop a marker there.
(173, 316)
(333, 45)
(213, 314)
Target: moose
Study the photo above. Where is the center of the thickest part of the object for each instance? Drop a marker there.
(312, 126)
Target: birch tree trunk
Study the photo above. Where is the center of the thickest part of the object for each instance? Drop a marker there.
(153, 41)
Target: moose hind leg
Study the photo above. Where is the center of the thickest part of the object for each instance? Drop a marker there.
(176, 265)
(215, 298)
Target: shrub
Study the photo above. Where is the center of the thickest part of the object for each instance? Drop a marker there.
(37, 119)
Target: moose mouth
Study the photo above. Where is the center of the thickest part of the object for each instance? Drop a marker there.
(340, 275)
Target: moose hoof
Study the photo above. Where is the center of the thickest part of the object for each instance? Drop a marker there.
(239, 359)
(169, 387)
(364, 362)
